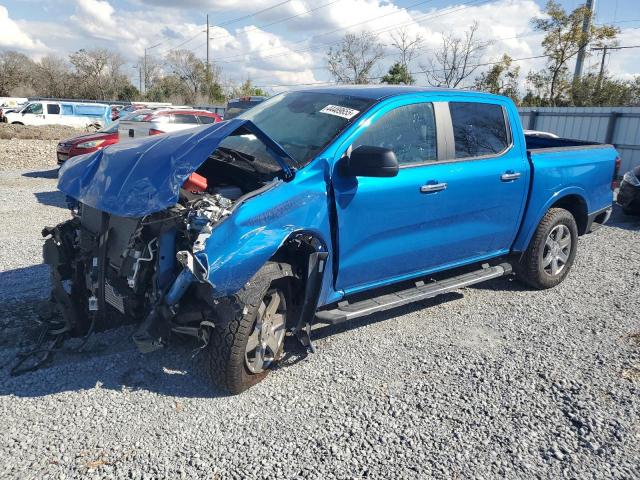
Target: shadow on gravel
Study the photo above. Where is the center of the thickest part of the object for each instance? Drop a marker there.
(621, 220)
(322, 332)
(53, 173)
(112, 363)
(53, 199)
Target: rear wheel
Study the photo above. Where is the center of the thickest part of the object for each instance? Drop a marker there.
(242, 353)
(551, 252)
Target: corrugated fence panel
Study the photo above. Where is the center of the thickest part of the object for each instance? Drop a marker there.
(617, 125)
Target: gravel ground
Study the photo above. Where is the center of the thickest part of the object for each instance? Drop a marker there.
(43, 132)
(492, 381)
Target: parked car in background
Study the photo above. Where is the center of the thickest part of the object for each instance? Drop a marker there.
(115, 112)
(320, 205)
(79, 115)
(238, 105)
(217, 109)
(154, 122)
(629, 194)
(87, 143)
(15, 103)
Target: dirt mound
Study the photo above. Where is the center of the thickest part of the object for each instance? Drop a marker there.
(44, 132)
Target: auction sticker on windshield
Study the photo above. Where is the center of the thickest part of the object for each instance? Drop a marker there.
(339, 111)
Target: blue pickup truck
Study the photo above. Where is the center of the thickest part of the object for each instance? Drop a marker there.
(316, 206)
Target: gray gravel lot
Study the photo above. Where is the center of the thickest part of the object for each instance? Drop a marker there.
(492, 381)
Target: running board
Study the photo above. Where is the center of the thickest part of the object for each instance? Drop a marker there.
(348, 311)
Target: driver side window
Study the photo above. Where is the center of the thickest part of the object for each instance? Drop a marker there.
(35, 108)
(409, 131)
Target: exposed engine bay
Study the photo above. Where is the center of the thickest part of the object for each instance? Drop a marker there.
(109, 270)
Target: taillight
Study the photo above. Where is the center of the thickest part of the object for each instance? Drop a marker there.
(154, 131)
(616, 169)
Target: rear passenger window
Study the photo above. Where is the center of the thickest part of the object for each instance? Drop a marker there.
(204, 119)
(478, 129)
(53, 109)
(183, 118)
(409, 131)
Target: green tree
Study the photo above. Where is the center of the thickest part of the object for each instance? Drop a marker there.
(562, 41)
(398, 75)
(247, 89)
(501, 79)
(592, 90)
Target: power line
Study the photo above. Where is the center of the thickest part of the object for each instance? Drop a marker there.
(229, 22)
(253, 14)
(282, 20)
(418, 20)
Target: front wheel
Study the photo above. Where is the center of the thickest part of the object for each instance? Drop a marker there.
(242, 353)
(551, 252)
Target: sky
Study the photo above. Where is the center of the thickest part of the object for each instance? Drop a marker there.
(280, 43)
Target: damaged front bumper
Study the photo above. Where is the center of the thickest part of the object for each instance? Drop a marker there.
(109, 270)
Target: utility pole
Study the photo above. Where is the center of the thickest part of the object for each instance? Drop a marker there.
(207, 46)
(586, 26)
(145, 64)
(601, 74)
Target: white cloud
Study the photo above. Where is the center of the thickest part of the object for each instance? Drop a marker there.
(13, 36)
(96, 17)
(291, 51)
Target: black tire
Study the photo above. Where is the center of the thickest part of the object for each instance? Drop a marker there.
(530, 268)
(226, 351)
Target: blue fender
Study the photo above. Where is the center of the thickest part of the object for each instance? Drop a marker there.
(243, 242)
(536, 211)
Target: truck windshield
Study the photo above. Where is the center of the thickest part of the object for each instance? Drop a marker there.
(303, 123)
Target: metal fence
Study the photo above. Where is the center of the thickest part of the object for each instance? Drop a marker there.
(619, 126)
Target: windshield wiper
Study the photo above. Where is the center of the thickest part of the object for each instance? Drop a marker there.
(235, 153)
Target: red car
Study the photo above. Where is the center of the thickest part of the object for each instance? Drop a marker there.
(87, 142)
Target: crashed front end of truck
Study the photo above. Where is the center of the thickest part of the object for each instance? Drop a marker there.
(136, 247)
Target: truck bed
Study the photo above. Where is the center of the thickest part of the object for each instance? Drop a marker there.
(534, 142)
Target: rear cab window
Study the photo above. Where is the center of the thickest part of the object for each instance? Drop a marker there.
(479, 129)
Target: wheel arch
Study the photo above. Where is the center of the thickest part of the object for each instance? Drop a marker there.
(573, 200)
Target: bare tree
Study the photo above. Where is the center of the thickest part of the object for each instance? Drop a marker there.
(52, 77)
(189, 68)
(354, 59)
(15, 72)
(456, 60)
(151, 70)
(99, 73)
(407, 46)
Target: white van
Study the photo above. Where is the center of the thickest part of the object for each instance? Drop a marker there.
(73, 114)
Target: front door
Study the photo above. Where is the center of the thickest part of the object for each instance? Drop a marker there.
(450, 203)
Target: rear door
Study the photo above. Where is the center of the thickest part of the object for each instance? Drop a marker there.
(454, 201)
(53, 113)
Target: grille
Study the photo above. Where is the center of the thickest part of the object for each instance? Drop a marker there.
(112, 298)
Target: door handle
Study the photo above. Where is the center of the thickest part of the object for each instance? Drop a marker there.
(510, 176)
(433, 187)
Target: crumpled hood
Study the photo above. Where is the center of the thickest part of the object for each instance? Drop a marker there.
(145, 176)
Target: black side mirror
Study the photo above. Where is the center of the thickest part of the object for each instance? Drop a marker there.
(367, 161)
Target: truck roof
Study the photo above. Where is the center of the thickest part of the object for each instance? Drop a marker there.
(378, 92)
